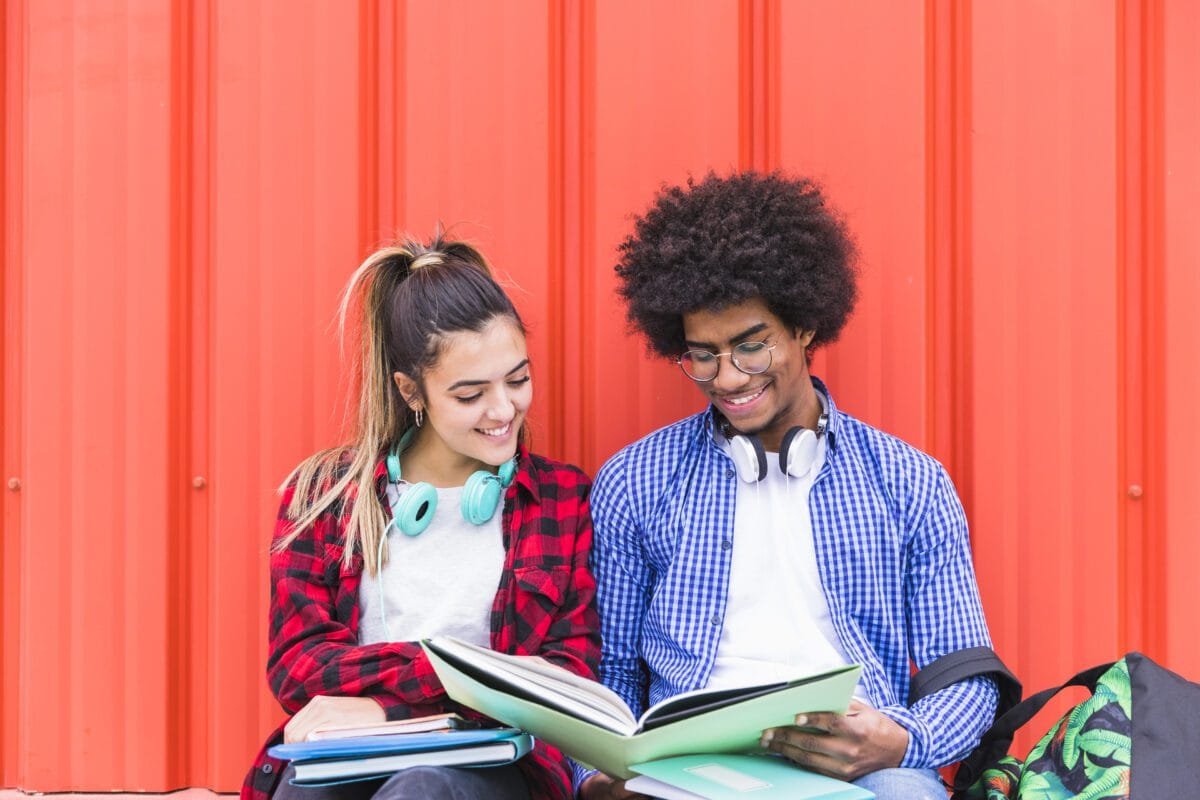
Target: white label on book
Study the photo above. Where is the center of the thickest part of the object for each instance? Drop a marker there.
(729, 778)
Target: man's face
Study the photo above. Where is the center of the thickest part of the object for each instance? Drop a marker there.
(769, 403)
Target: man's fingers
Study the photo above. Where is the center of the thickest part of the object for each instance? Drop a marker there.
(818, 743)
(796, 750)
(795, 739)
(818, 720)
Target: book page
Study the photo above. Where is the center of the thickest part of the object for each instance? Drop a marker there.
(700, 701)
(435, 722)
(543, 682)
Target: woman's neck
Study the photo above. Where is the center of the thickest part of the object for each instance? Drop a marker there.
(428, 459)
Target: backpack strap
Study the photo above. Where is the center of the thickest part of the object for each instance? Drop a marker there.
(960, 665)
(996, 741)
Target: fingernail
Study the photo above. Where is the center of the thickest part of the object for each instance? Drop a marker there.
(801, 719)
(766, 739)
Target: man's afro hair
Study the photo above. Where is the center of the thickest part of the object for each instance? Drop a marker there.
(725, 240)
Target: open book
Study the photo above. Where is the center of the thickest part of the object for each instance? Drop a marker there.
(592, 724)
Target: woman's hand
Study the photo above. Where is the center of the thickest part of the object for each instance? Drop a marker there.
(324, 710)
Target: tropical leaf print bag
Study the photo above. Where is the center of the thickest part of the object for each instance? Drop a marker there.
(1137, 736)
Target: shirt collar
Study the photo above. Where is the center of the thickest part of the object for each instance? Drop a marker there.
(526, 478)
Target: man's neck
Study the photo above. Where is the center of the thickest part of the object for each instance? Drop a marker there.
(805, 411)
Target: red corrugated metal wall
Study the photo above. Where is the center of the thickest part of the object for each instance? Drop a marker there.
(186, 185)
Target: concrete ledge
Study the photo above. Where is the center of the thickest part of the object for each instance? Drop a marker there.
(182, 794)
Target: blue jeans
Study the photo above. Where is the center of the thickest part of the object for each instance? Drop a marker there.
(904, 784)
(418, 783)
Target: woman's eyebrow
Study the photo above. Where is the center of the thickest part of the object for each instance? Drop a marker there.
(459, 384)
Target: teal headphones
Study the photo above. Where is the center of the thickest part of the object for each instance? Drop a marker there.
(414, 510)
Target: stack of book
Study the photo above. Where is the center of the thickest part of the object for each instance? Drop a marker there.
(345, 754)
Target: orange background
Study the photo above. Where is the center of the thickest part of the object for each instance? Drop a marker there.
(186, 186)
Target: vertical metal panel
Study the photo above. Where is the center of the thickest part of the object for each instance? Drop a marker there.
(1044, 317)
(12, 74)
(186, 187)
(188, 603)
(664, 107)
(284, 236)
(857, 125)
(948, 237)
(1140, 256)
(94, 572)
(1177, 440)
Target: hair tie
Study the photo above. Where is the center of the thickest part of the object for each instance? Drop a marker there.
(426, 260)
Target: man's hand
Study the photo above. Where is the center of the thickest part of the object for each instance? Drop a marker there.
(324, 710)
(844, 746)
(605, 787)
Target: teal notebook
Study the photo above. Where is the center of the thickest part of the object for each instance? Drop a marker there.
(737, 777)
(367, 757)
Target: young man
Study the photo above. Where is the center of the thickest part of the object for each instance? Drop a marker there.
(774, 534)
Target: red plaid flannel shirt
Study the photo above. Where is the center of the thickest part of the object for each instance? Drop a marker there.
(545, 606)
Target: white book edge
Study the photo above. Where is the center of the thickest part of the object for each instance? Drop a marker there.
(437, 722)
(653, 787)
(491, 752)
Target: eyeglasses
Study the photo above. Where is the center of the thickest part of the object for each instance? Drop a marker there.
(749, 357)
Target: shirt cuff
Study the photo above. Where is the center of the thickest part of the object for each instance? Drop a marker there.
(393, 709)
(917, 754)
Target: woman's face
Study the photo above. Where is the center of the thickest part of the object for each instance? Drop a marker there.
(476, 395)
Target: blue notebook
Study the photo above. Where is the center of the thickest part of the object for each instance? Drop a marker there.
(367, 757)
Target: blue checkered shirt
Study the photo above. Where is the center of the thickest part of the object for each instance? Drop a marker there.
(892, 552)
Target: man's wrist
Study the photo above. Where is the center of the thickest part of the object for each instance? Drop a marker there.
(589, 786)
(582, 776)
(915, 753)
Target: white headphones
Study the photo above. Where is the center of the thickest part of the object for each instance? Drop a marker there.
(797, 452)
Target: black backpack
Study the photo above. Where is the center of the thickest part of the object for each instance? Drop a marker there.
(1137, 736)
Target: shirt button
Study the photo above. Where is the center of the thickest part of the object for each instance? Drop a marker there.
(726, 544)
(716, 620)
(267, 769)
(729, 473)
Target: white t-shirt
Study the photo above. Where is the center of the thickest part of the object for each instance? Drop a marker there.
(777, 622)
(440, 583)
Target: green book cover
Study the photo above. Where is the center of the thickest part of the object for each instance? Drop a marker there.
(592, 725)
(733, 777)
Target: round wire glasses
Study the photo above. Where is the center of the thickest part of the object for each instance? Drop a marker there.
(749, 357)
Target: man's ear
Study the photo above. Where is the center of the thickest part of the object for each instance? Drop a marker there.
(409, 390)
(804, 337)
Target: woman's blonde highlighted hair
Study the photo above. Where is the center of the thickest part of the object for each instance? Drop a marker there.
(405, 299)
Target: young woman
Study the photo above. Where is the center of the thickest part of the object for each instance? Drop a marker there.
(435, 520)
